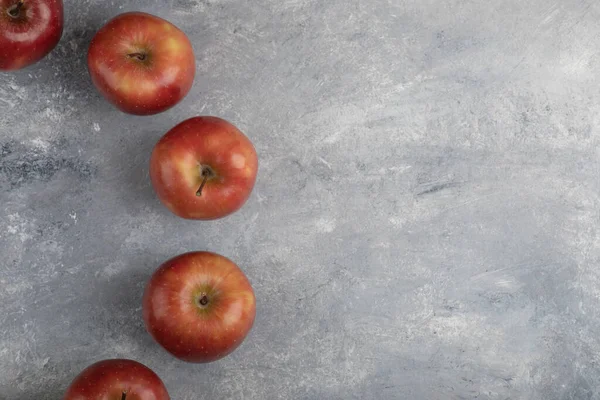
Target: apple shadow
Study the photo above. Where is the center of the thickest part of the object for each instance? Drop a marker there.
(70, 62)
(131, 182)
(120, 301)
(63, 72)
(46, 389)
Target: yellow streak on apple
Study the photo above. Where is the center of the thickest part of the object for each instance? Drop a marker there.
(233, 314)
(174, 45)
(193, 177)
(125, 85)
(238, 160)
(146, 87)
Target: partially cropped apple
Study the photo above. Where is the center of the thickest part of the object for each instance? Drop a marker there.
(141, 63)
(204, 168)
(29, 30)
(199, 306)
(117, 380)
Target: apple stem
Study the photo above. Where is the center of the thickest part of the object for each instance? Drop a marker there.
(16, 9)
(139, 56)
(206, 173)
(199, 191)
(124, 396)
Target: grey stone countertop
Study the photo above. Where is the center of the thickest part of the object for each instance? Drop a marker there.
(425, 223)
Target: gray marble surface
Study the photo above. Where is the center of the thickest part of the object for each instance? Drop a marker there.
(425, 223)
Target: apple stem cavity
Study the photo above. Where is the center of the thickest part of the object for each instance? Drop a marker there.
(139, 56)
(15, 10)
(203, 300)
(207, 173)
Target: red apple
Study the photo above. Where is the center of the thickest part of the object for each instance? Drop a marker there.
(117, 380)
(204, 168)
(29, 30)
(141, 63)
(199, 306)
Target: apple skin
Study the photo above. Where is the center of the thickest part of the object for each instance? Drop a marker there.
(199, 144)
(117, 379)
(141, 63)
(30, 33)
(199, 306)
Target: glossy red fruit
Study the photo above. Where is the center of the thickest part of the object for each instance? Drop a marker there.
(199, 306)
(29, 30)
(141, 63)
(204, 168)
(117, 380)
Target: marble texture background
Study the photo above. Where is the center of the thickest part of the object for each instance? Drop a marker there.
(425, 223)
